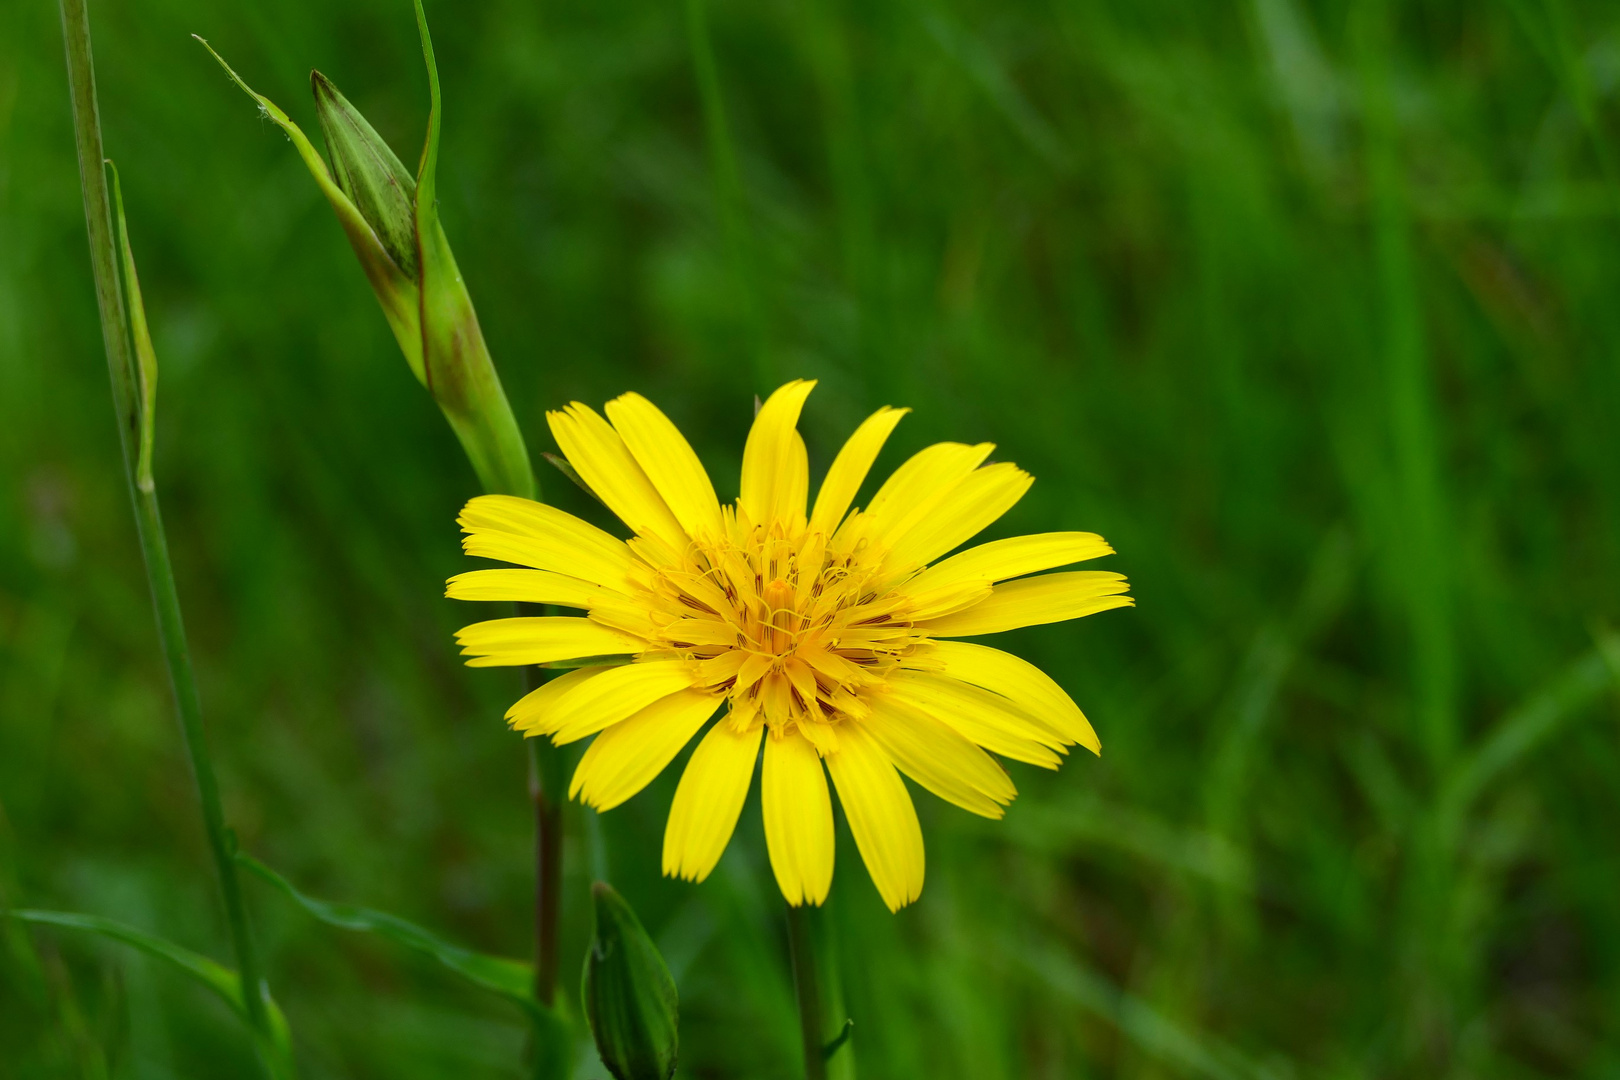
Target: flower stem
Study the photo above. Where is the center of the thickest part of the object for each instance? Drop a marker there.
(819, 989)
(148, 520)
(809, 993)
(545, 788)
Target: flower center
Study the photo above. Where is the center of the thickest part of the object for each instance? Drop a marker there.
(792, 632)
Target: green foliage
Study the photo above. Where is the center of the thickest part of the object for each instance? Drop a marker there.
(512, 979)
(1310, 314)
(222, 981)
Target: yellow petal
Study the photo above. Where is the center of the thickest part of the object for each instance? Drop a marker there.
(796, 495)
(1015, 678)
(798, 819)
(708, 800)
(524, 586)
(929, 469)
(1010, 558)
(917, 488)
(939, 759)
(970, 507)
(599, 455)
(670, 463)
(850, 467)
(617, 694)
(934, 603)
(624, 758)
(523, 531)
(508, 642)
(880, 815)
(1032, 601)
(987, 719)
(532, 708)
(774, 476)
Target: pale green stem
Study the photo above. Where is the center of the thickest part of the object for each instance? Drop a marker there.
(149, 522)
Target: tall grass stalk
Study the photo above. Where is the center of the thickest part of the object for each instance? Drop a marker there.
(149, 522)
(730, 202)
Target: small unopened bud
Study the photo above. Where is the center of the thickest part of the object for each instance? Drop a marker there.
(392, 222)
(369, 173)
(629, 995)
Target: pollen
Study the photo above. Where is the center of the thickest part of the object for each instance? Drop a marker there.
(792, 631)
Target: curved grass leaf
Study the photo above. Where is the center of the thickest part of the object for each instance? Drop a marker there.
(1527, 727)
(512, 979)
(224, 982)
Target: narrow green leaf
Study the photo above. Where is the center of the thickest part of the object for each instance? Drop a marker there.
(1525, 728)
(395, 290)
(1186, 1050)
(145, 356)
(215, 976)
(512, 979)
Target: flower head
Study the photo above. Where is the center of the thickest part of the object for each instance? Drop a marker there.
(826, 633)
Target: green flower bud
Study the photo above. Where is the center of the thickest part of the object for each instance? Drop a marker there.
(392, 222)
(629, 996)
(369, 173)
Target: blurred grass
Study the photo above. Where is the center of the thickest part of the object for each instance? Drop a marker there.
(1308, 308)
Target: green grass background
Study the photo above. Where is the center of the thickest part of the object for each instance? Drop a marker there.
(1311, 308)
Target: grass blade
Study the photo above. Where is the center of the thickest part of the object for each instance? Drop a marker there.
(224, 982)
(512, 979)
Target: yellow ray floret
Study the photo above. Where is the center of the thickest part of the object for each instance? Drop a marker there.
(822, 632)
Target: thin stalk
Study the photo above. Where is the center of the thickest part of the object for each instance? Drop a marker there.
(808, 989)
(546, 786)
(547, 790)
(549, 1051)
(729, 197)
(819, 990)
(1414, 427)
(148, 520)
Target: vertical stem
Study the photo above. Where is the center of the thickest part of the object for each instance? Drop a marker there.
(729, 190)
(545, 787)
(820, 992)
(148, 520)
(1434, 980)
(1414, 421)
(808, 989)
(166, 601)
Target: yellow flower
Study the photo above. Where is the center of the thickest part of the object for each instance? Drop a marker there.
(827, 633)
